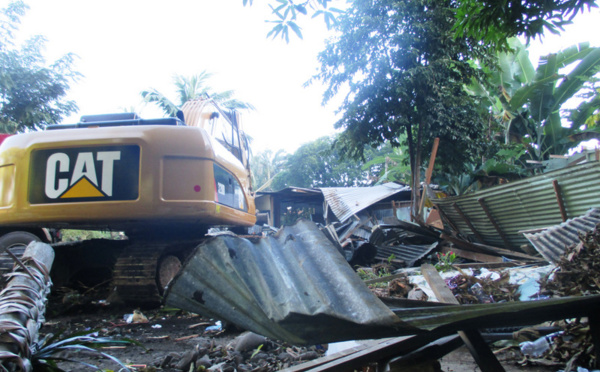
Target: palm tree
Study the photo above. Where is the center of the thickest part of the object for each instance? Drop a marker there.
(189, 88)
(266, 166)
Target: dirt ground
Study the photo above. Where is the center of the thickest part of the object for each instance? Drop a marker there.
(172, 339)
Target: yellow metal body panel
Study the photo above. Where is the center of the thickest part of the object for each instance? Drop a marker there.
(176, 180)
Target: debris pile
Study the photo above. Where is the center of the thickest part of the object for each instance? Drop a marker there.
(578, 270)
(570, 348)
(471, 289)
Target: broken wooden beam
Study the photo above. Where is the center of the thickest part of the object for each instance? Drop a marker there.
(559, 200)
(467, 221)
(478, 247)
(485, 359)
(473, 256)
(488, 213)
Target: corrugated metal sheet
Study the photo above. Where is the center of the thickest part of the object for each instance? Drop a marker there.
(296, 287)
(291, 286)
(347, 201)
(552, 242)
(524, 205)
(409, 253)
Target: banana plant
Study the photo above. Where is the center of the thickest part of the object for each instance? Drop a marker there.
(537, 106)
(528, 103)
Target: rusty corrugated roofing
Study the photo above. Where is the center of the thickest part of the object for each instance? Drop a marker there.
(347, 201)
(552, 242)
(290, 286)
(296, 287)
(523, 205)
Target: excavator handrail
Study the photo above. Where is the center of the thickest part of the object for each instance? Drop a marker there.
(118, 123)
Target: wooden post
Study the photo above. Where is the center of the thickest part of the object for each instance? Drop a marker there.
(436, 143)
(467, 221)
(559, 200)
(496, 226)
(21, 320)
(485, 359)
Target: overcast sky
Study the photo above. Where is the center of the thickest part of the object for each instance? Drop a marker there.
(126, 46)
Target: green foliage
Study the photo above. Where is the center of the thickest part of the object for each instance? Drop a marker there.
(587, 114)
(391, 166)
(371, 274)
(287, 12)
(493, 22)
(52, 349)
(189, 88)
(32, 91)
(391, 258)
(405, 73)
(501, 167)
(445, 261)
(529, 103)
(265, 166)
(319, 164)
(69, 235)
(256, 351)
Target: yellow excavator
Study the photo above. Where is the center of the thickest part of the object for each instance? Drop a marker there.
(163, 182)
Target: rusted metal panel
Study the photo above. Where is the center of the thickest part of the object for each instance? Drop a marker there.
(296, 287)
(347, 201)
(526, 204)
(552, 242)
(293, 286)
(409, 253)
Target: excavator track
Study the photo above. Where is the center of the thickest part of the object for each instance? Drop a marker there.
(134, 275)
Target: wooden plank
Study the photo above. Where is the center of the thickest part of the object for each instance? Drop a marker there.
(481, 265)
(388, 278)
(425, 355)
(474, 256)
(477, 247)
(428, 173)
(488, 213)
(559, 200)
(594, 321)
(467, 221)
(438, 286)
(486, 360)
(364, 345)
(386, 349)
(484, 357)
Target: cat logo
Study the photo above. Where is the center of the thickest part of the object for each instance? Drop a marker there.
(84, 174)
(83, 182)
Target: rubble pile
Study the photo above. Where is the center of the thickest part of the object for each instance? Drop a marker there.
(470, 289)
(570, 348)
(578, 270)
(174, 340)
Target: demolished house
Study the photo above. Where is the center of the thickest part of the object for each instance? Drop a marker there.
(294, 285)
(366, 223)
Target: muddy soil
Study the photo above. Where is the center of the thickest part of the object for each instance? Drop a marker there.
(173, 340)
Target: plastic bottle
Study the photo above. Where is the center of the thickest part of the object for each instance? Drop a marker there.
(538, 347)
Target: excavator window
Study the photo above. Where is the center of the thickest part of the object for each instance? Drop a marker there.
(222, 130)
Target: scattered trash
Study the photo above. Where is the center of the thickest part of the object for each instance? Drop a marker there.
(156, 326)
(578, 270)
(540, 346)
(136, 317)
(477, 288)
(218, 327)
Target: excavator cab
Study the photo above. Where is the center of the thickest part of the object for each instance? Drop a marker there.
(161, 181)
